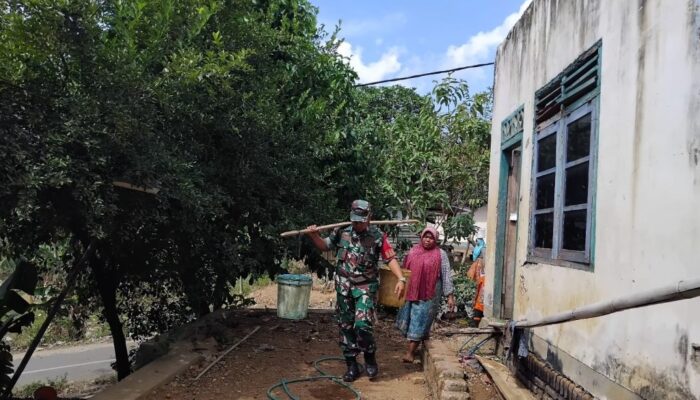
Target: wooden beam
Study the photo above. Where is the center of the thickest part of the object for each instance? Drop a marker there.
(508, 385)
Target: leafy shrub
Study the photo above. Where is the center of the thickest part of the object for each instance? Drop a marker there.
(465, 288)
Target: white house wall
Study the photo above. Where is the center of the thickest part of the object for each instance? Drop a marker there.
(480, 218)
(648, 184)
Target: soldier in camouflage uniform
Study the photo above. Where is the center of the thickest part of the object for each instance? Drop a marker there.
(356, 282)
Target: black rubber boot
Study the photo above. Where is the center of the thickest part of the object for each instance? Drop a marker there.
(371, 365)
(354, 369)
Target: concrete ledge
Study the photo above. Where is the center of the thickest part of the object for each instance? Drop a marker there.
(141, 383)
(443, 373)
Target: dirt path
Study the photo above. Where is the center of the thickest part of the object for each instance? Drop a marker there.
(284, 349)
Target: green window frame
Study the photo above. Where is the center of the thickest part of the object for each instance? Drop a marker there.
(562, 218)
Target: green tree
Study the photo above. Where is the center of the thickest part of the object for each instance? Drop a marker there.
(418, 154)
(224, 109)
(180, 137)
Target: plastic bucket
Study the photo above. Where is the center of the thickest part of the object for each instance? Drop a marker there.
(387, 283)
(293, 294)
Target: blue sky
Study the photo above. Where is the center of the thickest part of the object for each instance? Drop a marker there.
(386, 39)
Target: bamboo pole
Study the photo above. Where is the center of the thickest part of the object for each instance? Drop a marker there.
(685, 289)
(467, 331)
(226, 352)
(342, 224)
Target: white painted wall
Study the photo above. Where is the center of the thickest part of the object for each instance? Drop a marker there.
(481, 218)
(648, 184)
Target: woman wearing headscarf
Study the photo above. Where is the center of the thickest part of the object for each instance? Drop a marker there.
(430, 279)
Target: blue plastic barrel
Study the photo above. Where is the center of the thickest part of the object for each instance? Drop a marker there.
(293, 294)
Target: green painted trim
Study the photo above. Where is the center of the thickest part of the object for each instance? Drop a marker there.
(594, 173)
(531, 183)
(583, 100)
(515, 139)
(557, 80)
(517, 115)
(594, 97)
(533, 259)
(511, 115)
(517, 223)
(501, 209)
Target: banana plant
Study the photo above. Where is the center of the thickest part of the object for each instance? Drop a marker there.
(16, 300)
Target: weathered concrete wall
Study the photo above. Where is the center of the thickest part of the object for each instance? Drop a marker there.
(648, 184)
(546, 382)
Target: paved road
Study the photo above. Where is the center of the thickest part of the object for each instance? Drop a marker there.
(79, 363)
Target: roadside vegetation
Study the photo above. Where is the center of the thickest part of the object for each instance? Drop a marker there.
(179, 138)
(26, 391)
(65, 388)
(60, 332)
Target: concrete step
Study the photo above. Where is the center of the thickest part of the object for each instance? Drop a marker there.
(141, 383)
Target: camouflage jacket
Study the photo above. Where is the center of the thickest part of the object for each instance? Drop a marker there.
(357, 254)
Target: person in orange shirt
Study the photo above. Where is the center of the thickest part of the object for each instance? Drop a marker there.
(477, 273)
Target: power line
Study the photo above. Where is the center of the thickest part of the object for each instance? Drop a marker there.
(444, 71)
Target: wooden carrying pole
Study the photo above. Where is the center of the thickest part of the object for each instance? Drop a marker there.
(342, 224)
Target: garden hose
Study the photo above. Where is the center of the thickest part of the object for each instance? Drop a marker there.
(465, 344)
(337, 379)
(474, 348)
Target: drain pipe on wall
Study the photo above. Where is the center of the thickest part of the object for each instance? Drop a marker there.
(685, 289)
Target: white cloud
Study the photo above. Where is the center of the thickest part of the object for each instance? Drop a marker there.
(397, 62)
(480, 47)
(387, 64)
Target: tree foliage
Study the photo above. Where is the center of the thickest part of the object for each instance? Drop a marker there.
(15, 311)
(228, 121)
(421, 154)
(224, 107)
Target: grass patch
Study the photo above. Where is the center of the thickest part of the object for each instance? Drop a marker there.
(60, 384)
(64, 387)
(244, 287)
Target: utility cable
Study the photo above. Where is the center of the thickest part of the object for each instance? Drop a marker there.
(444, 71)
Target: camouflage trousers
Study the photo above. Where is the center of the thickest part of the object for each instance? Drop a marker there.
(355, 311)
